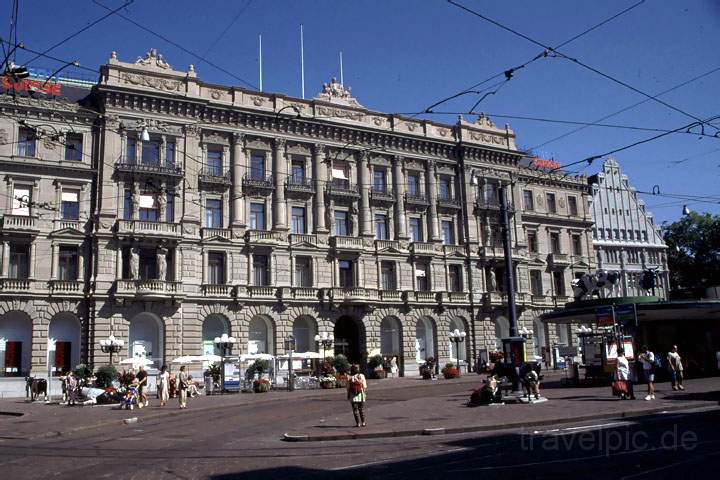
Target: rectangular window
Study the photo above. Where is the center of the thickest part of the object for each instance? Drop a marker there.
(261, 272)
(127, 205)
(68, 263)
(577, 245)
(257, 166)
(536, 282)
(298, 172)
(257, 216)
(214, 162)
(151, 152)
(559, 282)
(345, 270)
(555, 243)
(491, 194)
(303, 272)
(379, 180)
(528, 200)
(381, 226)
(532, 242)
(448, 232)
(19, 261)
(573, 206)
(422, 277)
(455, 278)
(170, 154)
(22, 196)
(341, 175)
(148, 264)
(148, 208)
(170, 206)
(416, 232)
(551, 206)
(216, 268)
(387, 275)
(341, 223)
(70, 206)
(131, 150)
(413, 184)
(27, 141)
(444, 190)
(73, 147)
(298, 220)
(213, 213)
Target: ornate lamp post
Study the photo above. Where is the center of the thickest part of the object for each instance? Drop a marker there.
(111, 345)
(325, 340)
(289, 347)
(224, 343)
(457, 337)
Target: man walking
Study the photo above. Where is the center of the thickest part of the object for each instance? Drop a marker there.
(676, 368)
(647, 359)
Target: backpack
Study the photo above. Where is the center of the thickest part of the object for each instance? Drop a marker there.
(657, 362)
(356, 385)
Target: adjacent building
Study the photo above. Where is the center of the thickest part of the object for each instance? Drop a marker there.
(167, 211)
(625, 237)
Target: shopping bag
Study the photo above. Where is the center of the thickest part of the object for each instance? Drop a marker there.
(619, 387)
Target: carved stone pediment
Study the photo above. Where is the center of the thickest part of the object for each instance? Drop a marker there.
(336, 92)
(153, 59)
(67, 232)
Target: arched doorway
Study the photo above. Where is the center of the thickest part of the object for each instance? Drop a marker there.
(304, 331)
(502, 330)
(65, 330)
(15, 344)
(146, 338)
(347, 339)
(261, 336)
(391, 342)
(539, 336)
(424, 339)
(458, 351)
(213, 326)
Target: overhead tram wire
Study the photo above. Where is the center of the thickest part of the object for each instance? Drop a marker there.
(577, 62)
(222, 34)
(177, 45)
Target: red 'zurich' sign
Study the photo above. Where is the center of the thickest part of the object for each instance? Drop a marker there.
(549, 164)
(27, 85)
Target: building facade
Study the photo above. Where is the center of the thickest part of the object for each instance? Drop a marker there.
(625, 237)
(204, 209)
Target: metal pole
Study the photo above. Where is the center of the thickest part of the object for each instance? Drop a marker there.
(290, 371)
(260, 45)
(507, 249)
(302, 62)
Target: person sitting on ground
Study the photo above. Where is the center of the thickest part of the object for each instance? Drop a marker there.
(489, 392)
(193, 390)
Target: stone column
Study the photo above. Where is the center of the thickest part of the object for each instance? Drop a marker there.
(33, 250)
(432, 198)
(364, 181)
(280, 172)
(81, 264)
(205, 267)
(178, 264)
(135, 195)
(399, 179)
(319, 174)
(163, 150)
(118, 262)
(238, 162)
(191, 200)
(5, 258)
(54, 262)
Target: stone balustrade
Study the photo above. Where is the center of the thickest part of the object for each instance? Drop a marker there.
(10, 285)
(142, 227)
(351, 243)
(19, 222)
(65, 287)
(217, 290)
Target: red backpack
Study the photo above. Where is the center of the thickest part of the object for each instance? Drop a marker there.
(356, 385)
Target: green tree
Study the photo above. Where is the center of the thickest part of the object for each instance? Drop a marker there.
(694, 251)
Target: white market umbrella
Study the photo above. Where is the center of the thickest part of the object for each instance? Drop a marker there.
(184, 360)
(136, 362)
(256, 356)
(303, 355)
(210, 358)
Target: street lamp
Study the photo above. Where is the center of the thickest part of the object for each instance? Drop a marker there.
(525, 333)
(289, 347)
(457, 337)
(111, 345)
(325, 340)
(224, 343)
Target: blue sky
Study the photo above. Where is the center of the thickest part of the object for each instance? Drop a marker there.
(402, 56)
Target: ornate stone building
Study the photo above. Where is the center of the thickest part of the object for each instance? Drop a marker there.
(208, 209)
(625, 238)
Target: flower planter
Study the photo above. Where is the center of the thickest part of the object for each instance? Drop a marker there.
(261, 386)
(449, 373)
(379, 373)
(327, 385)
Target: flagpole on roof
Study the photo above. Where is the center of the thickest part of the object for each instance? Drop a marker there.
(302, 63)
(260, 45)
(341, 70)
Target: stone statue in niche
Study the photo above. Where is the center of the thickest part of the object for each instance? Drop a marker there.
(330, 217)
(134, 263)
(161, 203)
(135, 200)
(492, 281)
(162, 264)
(355, 221)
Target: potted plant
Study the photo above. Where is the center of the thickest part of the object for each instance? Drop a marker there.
(83, 373)
(327, 375)
(212, 378)
(105, 376)
(427, 369)
(126, 378)
(261, 385)
(375, 364)
(450, 371)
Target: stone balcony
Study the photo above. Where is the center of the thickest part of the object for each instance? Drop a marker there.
(454, 250)
(73, 288)
(225, 233)
(422, 248)
(212, 176)
(60, 224)
(390, 296)
(261, 292)
(542, 300)
(145, 228)
(458, 297)
(20, 223)
(217, 290)
(297, 238)
(141, 168)
(482, 204)
(299, 185)
(16, 285)
(342, 190)
(387, 244)
(418, 199)
(421, 297)
(559, 259)
(257, 183)
(265, 237)
(381, 194)
(353, 295)
(305, 293)
(346, 243)
(148, 289)
(449, 202)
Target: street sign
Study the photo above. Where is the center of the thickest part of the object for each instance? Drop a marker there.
(625, 315)
(605, 317)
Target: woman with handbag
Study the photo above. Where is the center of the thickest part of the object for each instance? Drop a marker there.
(183, 386)
(357, 394)
(622, 386)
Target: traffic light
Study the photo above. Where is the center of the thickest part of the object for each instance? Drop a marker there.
(648, 280)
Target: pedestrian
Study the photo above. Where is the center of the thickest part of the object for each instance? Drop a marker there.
(182, 386)
(357, 394)
(676, 368)
(647, 359)
(622, 374)
(142, 377)
(163, 386)
(72, 388)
